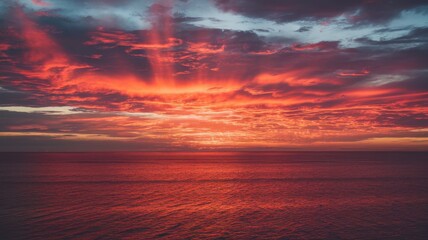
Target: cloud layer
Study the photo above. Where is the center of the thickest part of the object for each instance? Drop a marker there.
(163, 75)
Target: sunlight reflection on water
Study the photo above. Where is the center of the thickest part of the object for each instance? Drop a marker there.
(277, 195)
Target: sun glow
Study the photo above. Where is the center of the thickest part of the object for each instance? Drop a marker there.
(183, 85)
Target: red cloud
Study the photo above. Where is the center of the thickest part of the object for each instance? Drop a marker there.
(41, 3)
(207, 89)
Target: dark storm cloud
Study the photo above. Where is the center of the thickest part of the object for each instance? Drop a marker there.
(358, 11)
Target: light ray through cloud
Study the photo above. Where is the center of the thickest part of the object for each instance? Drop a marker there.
(203, 75)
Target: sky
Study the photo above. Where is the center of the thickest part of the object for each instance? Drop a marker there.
(207, 75)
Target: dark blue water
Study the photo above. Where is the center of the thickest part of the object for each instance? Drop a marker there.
(271, 195)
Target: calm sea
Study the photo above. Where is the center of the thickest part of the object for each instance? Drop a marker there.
(239, 195)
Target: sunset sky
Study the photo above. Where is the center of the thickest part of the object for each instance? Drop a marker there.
(109, 75)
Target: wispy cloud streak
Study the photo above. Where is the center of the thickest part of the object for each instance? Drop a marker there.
(177, 84)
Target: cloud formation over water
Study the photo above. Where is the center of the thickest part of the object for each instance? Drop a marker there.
(201, 75)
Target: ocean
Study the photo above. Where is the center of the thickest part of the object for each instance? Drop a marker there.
(214, 195)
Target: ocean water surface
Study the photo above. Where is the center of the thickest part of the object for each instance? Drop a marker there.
(214, 195)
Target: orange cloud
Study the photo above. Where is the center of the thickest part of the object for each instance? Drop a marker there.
(205, 94)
